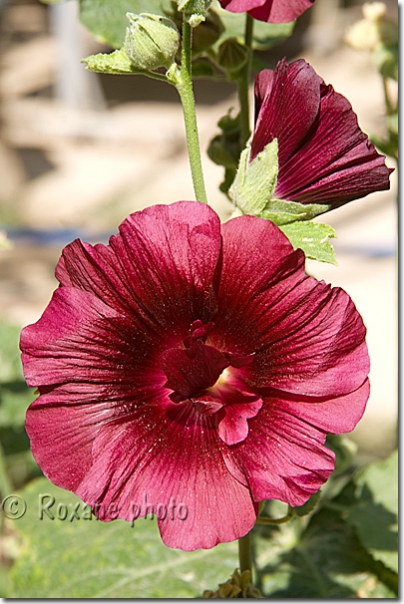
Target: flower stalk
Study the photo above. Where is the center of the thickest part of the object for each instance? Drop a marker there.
(243, 83)
(244, 553)
(183, 83)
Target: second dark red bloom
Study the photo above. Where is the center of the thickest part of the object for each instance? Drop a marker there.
(323, 156)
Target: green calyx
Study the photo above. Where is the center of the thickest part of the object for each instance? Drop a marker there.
(252, 192)
(151, 41)
(255, 181)
(232, 56)
(253, 189)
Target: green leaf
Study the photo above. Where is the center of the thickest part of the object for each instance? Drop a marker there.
(83, 558)
(375, 515)
(106, 19)
(15, 396)
(266, 35)
(390, 146)
(116, 62)
(392, 122)
(325, 560)
(313, 238)
(387, 60)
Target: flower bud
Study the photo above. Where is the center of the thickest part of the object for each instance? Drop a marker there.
(207, 33)
(232, 55)
(151, 41)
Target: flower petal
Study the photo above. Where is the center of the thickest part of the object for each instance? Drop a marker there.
(338, 163)
(289, 104)
(272, 11)
(62, 426)
(164, 459)
(307, 338)
(233, 428)
(319, 348)
(81, 339)
(284, 457)
(161, 264)
(257, 258)
(324, 157)
(281, 11)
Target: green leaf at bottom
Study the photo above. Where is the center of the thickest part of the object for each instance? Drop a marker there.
(87, 558)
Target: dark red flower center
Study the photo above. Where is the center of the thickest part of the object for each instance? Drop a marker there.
(210, 379)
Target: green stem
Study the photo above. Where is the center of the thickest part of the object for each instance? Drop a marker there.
(244, 553)
(183, 83)
(244, 82)
(389, 105)
(264, 520)
(150, 74)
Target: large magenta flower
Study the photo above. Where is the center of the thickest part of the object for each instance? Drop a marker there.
(324, 157)
(192, 368)
(272, 11)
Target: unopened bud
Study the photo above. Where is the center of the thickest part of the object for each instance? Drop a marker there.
(151, 41)
(207, 33)
(232, 55)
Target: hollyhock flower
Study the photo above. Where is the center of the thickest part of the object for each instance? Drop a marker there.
(272, 11)
(192, 364)
(324, 157)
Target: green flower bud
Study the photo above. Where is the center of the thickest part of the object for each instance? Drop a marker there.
(151, 41)
(232, 55)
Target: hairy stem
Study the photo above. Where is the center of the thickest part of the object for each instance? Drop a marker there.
(183, 84)
(243, 83)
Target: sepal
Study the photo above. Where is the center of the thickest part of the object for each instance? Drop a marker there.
(254, 187)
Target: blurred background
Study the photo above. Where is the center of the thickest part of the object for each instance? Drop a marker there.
(80, 151)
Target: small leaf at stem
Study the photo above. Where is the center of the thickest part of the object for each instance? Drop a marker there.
(116, 62)
(313, 238)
